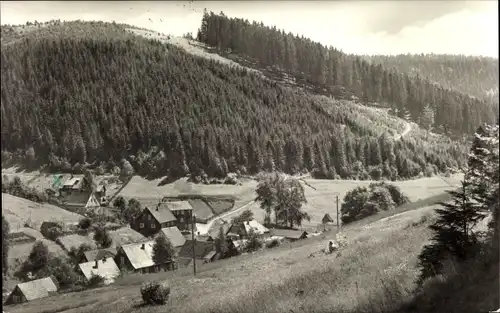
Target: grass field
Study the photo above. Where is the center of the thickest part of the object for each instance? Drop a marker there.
(18, 211)
(269, 280)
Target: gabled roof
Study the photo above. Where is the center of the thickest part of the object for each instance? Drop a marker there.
(84, 199)
(257, 227)
(98, 254)
(161, 214)
(139, 258)
(174, 235)
(289, 233)
(177, 205)
(74, 181)
(38, 288)
(202, 248)
(327, 219)
(106, 268)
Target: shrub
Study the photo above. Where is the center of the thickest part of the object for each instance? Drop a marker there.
(85, 223)
(51, 230)
(95, 281)
(254, 243)
(273, 243)
(155, 293)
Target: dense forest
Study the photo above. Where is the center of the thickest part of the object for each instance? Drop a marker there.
(476, 76)
(93, 93)
(326, 67)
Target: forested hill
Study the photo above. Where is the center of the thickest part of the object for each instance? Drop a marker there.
(76, 93)
(326, 67)
(476, 76)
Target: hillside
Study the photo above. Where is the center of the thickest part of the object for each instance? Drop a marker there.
(476, 76)
(371, 259)
(169, 112)
(329, 71)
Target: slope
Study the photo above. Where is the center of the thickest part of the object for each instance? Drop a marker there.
(292, 278)
(476, 76)
(171, 113)
(329, 71)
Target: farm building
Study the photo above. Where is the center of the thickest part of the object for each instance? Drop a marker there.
(138, 257)
(183, 211)
(82, 199)
(174, 235)
(202, 250)
(243, 229)
(99, 254)
(152, 220)
(105, 267)
(289, 234)
(72, 185)
(32, 290)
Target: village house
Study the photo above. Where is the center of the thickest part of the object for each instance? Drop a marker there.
(105, 267)
(75, 194)
(32, 290)
(174, 236)
(242, 230)
(138, 258)
(289, 234)
(183, 212)
(152, 220)
(204, 252)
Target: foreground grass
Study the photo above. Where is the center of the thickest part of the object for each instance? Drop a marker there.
(374, 273)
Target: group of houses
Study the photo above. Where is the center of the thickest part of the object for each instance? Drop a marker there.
(169, 218)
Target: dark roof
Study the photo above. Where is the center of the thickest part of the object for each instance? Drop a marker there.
(214, 232)
(161, 214)
(99, 254)
(174, 235)
(327, 219)
(202, 248)
(289, 233)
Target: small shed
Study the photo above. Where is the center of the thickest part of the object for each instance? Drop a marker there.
(326, 219)
(32, 290)
(174, 235)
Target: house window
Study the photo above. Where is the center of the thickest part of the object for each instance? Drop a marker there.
(17, 299)
(181, 219)
(149, 217)
(153, 225)
(141, 225)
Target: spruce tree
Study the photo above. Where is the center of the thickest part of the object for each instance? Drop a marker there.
(454, 235)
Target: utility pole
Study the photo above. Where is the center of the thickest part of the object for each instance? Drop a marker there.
(193, 220)
(338, 223)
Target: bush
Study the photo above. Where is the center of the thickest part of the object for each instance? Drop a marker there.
(273, 243)
(51, 230)
(95, 281)
(85, 223)
(155, 293)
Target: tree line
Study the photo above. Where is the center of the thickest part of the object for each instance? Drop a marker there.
(326, 67)
(121, 99)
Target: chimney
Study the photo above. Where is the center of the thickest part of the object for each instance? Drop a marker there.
(143, 246)
(96, 265)
(104, 260)
(157, 206)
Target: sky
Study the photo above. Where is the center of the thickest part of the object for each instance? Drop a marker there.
(360, 27)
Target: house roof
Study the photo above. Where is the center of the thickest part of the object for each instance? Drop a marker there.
(214, 232)
(83, 199)
(288, 233)
(174, 235)
(202, 248)
(38, 288)
(177, 205)
(257, 227)
(327, 219)
(139, 258)
(106, 268)
(161, 214)
(98, 254)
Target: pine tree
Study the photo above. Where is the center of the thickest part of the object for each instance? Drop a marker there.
(454, 235)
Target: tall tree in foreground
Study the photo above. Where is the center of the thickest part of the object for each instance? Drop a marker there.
(454, 237)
